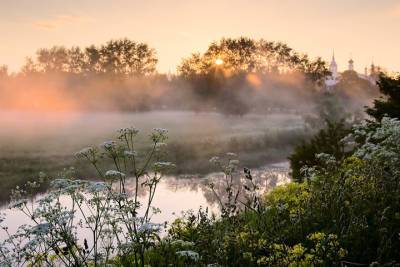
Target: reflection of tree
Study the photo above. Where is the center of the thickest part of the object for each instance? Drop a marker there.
(265, 178)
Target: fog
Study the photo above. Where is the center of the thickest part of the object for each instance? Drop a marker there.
(46, 118)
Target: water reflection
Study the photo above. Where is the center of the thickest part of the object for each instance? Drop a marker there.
(182, 193)
(265, 178)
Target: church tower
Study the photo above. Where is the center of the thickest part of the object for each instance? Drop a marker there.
(333, 67)
(351, 64)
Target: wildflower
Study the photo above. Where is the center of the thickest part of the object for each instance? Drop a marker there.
(215, 160)
(113, 174)
(231, 155)
(159, 166)
(130, 131)
(109, 145)
(18, 203)
(188, 253)
(130, 153)
(95, 187)
(182, 243)
(160, 145)
(88, 153)
(150, 227)
(84, 152)
(41, 229)
(159, 135)
(234, 162)
(60, 183)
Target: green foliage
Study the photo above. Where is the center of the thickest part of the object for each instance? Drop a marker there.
(389, 104)
(347, 212)
(328, 141)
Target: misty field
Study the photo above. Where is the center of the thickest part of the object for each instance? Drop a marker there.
(34, 142)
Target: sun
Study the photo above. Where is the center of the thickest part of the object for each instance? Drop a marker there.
(219, 61)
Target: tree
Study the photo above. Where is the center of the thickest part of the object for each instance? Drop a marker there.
(244, 55)
(389, 104)
(3, 71)
(76, 60)
(30, 67)
(327, 141)
(329, 108)
(116, 57)
(54, 59)
(125, 57)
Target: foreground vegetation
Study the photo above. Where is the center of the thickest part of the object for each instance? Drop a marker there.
(342, 210)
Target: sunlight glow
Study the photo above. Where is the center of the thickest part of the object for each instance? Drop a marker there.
(219, 61)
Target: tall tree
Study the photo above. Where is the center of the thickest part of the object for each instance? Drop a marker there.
(389, 103)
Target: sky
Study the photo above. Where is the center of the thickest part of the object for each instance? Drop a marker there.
(366, 30)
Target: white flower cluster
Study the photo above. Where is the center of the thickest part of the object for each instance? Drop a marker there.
(113, 174)
(382, 143)
(17, 203)
(150, 227)
(130, 131)
(215, 160)
(159, 135)
(231, 155)
(96, 187)
(189, 253)
(182, 243)
(109, 145)
(163, 165)
(130, 153)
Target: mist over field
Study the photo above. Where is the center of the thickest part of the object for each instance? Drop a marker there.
(250, 153)
(259, 106)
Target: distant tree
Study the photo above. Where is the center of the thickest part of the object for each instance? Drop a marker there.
(222, 71)
(3, 71)
(54, 59)
(29, 67)
(327, 141)
(247, 55)
(128, 58)
(236, 54)
(389, 104)
(329, 107)
(92, 63)
(76, 60)
(116, 57)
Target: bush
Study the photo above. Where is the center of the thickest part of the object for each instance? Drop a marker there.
(327, 141)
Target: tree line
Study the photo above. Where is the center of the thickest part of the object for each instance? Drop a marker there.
(233, 76)
(128, 57)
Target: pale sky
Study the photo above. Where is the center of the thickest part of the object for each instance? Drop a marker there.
(366, 29)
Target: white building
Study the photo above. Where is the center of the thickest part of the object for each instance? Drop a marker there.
(335, 77)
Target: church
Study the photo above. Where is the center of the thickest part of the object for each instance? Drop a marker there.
(332, 80)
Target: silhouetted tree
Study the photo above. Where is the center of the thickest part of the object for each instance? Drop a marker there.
(116, 57)
(389, 104)
(76, 60)
(3, 71)
(128, 58)
(54, 59)
(248, 55)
